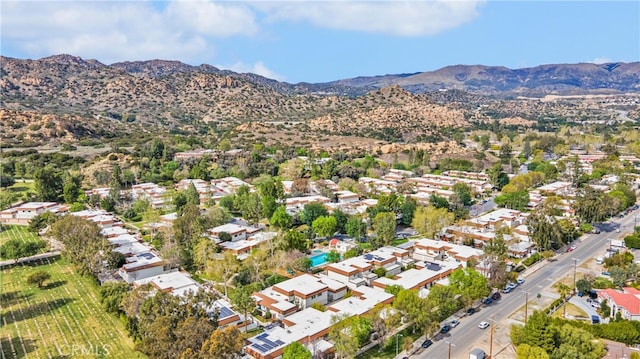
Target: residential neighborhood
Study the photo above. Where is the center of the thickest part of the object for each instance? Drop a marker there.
(339, 278)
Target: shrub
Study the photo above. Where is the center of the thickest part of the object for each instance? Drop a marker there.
(531, 259)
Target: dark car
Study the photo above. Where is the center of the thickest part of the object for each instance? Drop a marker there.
(427, 343)
(470, 311)
(445, 329)
(487, 300)
(496, 296)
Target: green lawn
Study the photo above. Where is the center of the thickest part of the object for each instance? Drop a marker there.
(63, 319)
(20, 232)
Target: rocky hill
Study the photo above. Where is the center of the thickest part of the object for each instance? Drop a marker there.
(66, 98)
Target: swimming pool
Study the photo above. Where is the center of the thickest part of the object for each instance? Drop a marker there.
(318, 259)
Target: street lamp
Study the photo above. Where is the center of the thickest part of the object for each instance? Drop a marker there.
(397, 335)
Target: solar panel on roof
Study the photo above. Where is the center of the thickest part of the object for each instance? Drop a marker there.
(368, 257)
(279, 342)
(268, 341)
(263, 335)
(260, 348)
(224, 312)
(267, 345)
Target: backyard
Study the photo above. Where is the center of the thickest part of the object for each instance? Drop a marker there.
(63, 318)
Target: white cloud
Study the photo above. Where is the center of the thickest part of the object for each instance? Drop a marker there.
(401, 18)
(601, 60)
(117, 31)
(258, 68)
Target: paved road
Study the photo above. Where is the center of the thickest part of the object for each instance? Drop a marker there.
(467, 333)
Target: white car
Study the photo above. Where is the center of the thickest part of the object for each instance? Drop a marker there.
(520, 280)
(483, 325)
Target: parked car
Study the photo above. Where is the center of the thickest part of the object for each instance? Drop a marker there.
(571, 248)
(595, 230)
(520, 280)
(495, 296)
(427, 343)
(445, 329)
(470, 311)
(483, 325)
(454, 323)
(507, 290)
(487, 300)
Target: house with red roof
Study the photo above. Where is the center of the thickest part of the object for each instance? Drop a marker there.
(626, 302)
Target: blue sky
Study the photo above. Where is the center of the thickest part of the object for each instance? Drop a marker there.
(320, 41)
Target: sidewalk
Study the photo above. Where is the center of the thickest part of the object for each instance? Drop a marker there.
(11, 262)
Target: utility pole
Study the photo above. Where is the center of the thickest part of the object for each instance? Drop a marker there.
(491, 339)
(526, 305)
(575, 265)
(449, 352)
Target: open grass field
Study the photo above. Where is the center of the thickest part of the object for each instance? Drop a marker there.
(63, 319)
(20, 232)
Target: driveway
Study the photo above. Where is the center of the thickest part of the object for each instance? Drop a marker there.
(581, 302)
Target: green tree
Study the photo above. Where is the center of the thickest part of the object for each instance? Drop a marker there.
(384, 225)
(591, 205)
(355, 227)
(41, 221)
(383, 319)
(544, 229)
(296, 350)
(408, 208)
(243, 300)
(324, 226)
(497, 177)
(564, 291)
(415, 309)
(525, 351)
(333, 256)
(312, 211)
(341, 220)
(294, 240)
(517, 200)
(444, 299)
(38, 277)
(430, 220)
(281, 219)
(224, 343)
(438, 201)
(470, 284)
(48, 184)
(269, 205)
(6, 181)
(112, 294)
(463, 191)
(584, 285)
(71, 188)
(348, 334)
(83, 243)
(17, 248)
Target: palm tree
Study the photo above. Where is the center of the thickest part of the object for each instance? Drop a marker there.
(564, 290)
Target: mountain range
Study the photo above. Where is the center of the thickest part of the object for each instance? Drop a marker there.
(93, 98)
